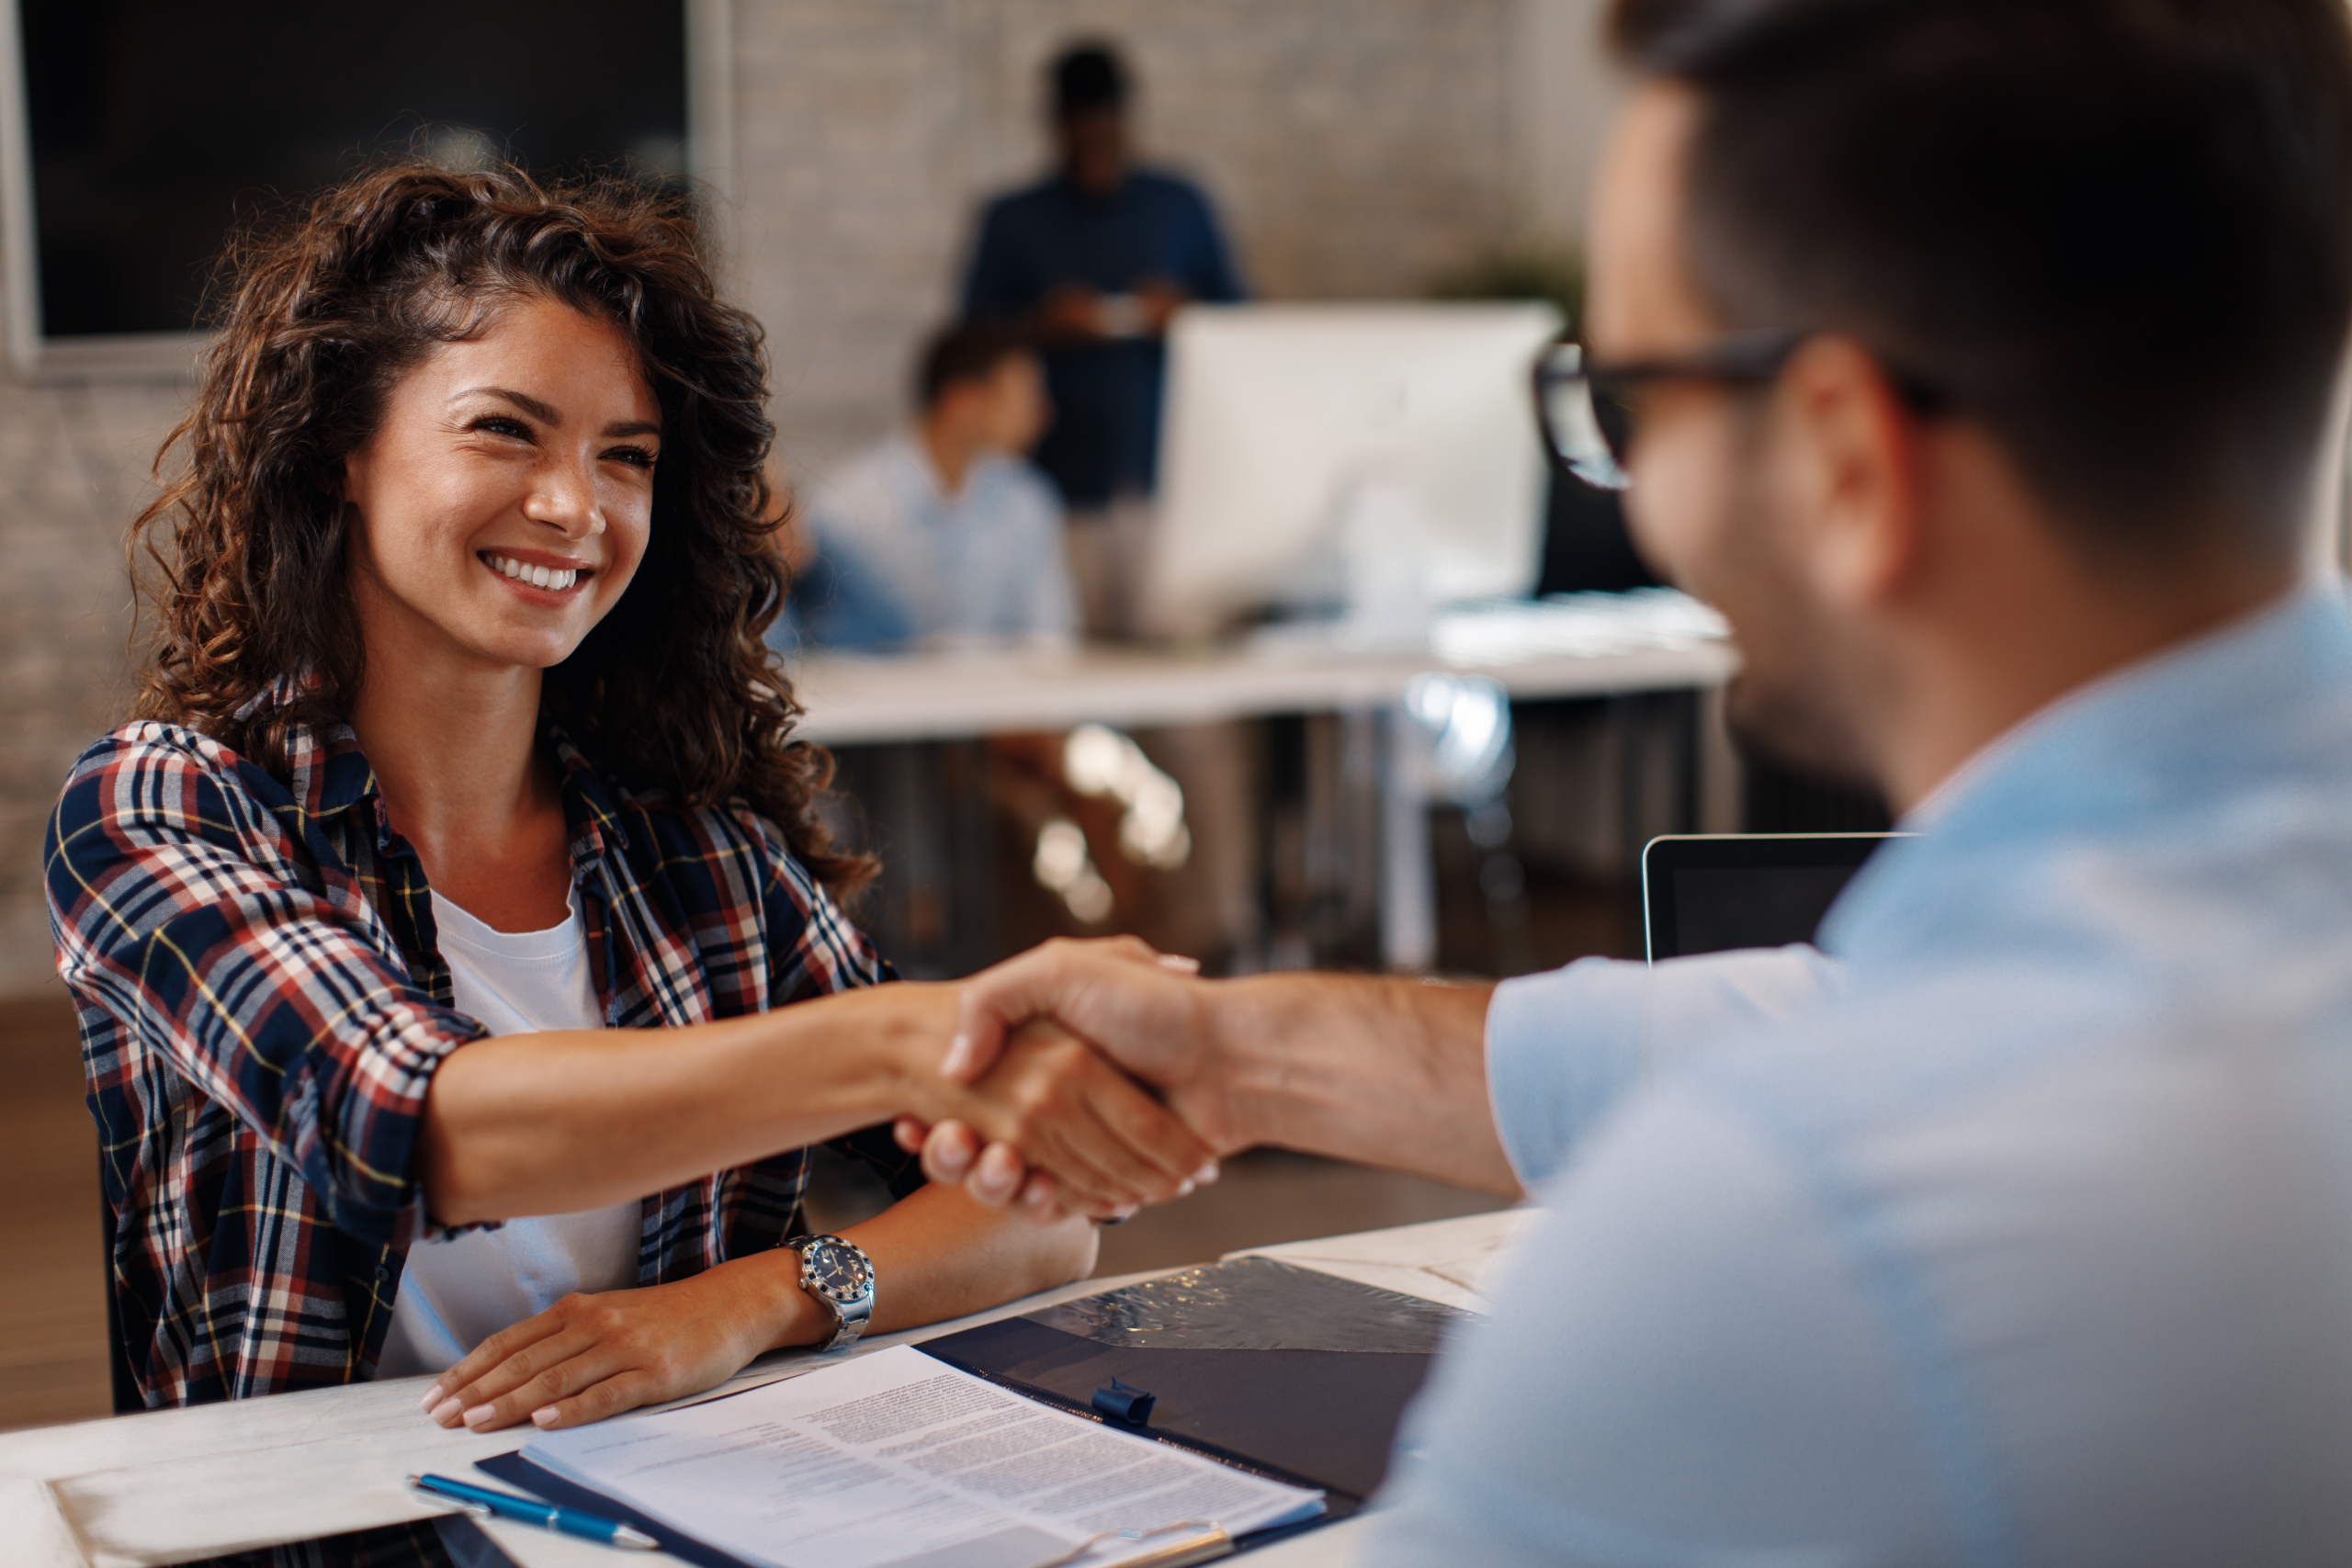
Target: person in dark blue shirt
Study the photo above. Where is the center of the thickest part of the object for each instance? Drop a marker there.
(1092, 262)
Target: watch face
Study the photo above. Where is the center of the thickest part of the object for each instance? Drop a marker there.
(836, 1272)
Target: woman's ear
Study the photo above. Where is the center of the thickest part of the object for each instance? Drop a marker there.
(1849, 450)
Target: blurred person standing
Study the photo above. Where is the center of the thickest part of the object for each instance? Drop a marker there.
(1094, 260)
(943, 532)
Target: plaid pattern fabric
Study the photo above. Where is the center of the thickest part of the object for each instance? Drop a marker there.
(263, 1005)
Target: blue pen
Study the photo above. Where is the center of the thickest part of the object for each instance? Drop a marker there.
(531, 1510)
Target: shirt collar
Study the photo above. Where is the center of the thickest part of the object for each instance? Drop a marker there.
(2173, 733)
(328, 774)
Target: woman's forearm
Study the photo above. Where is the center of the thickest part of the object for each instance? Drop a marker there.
(579, 1119)
(937, 1255)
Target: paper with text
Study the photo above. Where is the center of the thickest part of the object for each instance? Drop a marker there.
(897, 1460)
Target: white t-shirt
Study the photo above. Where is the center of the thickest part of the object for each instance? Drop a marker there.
(456, 1293)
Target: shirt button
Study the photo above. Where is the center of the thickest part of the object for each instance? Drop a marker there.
(382, 1274)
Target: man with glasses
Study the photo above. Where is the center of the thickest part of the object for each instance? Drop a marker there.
(1974, 357)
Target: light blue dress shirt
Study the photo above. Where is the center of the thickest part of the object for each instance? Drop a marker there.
(2017, 1231)
(903, 562)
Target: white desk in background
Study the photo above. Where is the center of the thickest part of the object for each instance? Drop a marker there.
(173, 1485)
(1590, 645)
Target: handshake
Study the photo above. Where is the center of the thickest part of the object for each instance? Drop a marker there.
(1097, 1078)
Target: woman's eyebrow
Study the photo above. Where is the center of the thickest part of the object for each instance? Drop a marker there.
(545, 413)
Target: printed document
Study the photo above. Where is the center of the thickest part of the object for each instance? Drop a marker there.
(897, 1460)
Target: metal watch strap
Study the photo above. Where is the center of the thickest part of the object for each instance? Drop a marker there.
(849, 1322)
(849, 1319)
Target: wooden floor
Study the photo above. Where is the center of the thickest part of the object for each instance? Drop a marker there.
(52, 1291)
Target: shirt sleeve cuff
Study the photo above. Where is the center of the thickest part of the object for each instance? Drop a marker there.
(1562, 1049)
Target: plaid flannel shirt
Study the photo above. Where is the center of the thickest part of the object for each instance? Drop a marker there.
(263, 1005)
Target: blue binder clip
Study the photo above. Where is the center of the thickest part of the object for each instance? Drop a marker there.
(1122, 1403)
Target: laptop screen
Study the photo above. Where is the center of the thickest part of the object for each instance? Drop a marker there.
(1712, 893)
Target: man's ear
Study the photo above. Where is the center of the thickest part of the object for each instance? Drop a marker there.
(1850, 472)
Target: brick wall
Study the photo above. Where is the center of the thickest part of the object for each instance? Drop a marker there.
(72, 466)
(1357, 148)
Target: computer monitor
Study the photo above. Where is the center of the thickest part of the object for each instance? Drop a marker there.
(1714, 892)
(1295, 437)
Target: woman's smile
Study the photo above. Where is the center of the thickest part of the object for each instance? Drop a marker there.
(534, 574)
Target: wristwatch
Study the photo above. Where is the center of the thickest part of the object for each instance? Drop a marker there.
(839, 1276)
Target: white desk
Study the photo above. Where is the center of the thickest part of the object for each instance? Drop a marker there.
(1565, 651)
(1581, 646)
(175, 1484)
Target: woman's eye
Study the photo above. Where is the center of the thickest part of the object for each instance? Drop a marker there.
(636, 456)
(500, 424)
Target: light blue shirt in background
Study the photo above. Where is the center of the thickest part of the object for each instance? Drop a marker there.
(2018, 1232)
(901, 562)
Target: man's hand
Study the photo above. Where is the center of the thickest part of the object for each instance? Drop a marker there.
(1109, 1146)
(1160, 300)
(593, 1356)
(1378, 1069)
(1139, 1008)
(1070, 313)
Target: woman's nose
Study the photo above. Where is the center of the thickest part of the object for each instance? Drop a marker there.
(565, 497)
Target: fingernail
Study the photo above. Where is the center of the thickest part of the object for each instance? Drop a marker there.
(480, 1415)
(1183, 1190)
(1205, 1176)
(958, 1057)
(433, 1396)
(447, 1411)
(544, 1417)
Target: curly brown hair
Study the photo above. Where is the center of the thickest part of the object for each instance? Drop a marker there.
(318, 318)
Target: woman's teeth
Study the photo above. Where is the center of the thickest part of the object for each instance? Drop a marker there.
(537, 576)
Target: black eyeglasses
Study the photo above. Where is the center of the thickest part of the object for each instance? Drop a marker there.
(1586, 411)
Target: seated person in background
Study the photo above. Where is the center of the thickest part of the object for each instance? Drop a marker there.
(459, 976)
(944, 533)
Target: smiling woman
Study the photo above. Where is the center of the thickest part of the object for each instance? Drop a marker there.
(322, 323)
(460, 977)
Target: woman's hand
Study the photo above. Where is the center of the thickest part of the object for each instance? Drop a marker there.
(1141, 1009)
(936, 1255)
(1057, 1105)
(593, 1356)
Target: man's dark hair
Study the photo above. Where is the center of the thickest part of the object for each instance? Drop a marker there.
(966, 351)
(1088, 77)
(2118, 232)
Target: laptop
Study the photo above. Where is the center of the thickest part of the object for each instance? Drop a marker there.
(1713, 892)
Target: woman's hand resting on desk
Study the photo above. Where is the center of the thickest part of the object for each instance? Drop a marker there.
(593, 1356)
(937, 1254)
